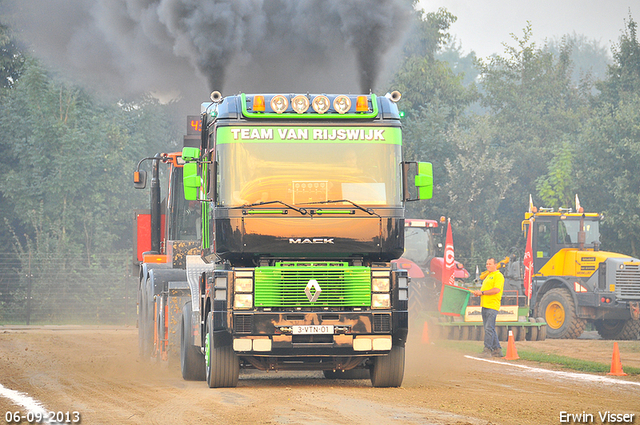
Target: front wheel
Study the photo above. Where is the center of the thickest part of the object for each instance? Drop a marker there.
(222, 363)
(388, 371)
(559, 311)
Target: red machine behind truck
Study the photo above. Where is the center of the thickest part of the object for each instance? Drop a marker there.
(164, 235)
(422, 242)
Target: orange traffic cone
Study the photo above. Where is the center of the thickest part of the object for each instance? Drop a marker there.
(425, 333)
(616, 364)
(512, 353)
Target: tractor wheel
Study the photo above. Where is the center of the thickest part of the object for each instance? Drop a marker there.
(455, 332)
(479, 333)
(542, 330)
(532, 331)
(388, 371)
(191, 359)
(464, 333)
(222, 363)
(503, 332)
(559, 311)
(618, 329)
(522, 333)
(347, 374)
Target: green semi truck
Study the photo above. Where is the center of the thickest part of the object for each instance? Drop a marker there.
(302, 212)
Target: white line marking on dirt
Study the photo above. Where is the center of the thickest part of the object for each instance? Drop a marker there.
(27, 402)
(569, 375)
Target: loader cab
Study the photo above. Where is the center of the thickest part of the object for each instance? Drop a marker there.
(553, 232)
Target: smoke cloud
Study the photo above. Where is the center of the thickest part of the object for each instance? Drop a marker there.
(194, 46)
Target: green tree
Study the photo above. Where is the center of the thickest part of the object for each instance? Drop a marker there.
(71, 159)
(557, 187)
(535, 107)
(434, 100)
(609, 152)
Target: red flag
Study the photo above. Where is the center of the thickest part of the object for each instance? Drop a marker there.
(449, 259)
(528, 263)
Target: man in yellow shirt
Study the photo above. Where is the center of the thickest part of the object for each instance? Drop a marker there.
(491, 294)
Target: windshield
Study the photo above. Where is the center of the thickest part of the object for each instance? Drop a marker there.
(417, 244)
(292, 165)
(568, 232)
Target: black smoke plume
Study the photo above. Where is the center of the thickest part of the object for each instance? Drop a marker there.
(173, 46)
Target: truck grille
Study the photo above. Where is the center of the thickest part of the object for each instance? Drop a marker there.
(628, 282)
(283, 285)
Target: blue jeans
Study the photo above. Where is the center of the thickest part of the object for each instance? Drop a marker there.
(490, 336)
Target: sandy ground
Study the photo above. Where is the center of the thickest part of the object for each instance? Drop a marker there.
(97, 372)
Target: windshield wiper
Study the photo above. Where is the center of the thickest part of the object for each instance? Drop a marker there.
(302, 211)
(367, 210)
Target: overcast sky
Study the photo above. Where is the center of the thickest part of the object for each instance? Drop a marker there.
(483, 26)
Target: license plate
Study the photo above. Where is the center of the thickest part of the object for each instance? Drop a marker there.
(313, 329)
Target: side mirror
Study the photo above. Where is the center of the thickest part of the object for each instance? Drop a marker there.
(139, 179)
(190, 154)
(424, 180)
(190, 178)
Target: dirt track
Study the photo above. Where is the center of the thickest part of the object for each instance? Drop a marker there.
(97, 372)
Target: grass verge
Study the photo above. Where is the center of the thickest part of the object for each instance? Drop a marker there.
(565, 362)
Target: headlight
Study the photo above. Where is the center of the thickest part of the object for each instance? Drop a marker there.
(321, 104)
(244, 284)
(403, 294)
(221, 283)
(243, 301)
(279, 103)
(403, 282)
(379, 284)
(380, 301)
(342, 104)
(300, 104)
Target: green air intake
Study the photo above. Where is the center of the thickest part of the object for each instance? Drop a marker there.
(285, 284)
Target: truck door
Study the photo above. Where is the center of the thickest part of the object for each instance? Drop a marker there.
(541, 243)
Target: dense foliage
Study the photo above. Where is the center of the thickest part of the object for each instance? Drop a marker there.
(530, 123)
(497, 129)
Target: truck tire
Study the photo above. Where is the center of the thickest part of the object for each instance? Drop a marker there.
(618, 329)
(222, 363)
(347, 374)
(146, 323)
(388, 371)
(191, 359)
(559, 311)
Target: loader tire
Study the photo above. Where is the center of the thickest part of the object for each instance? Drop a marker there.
(559, 311)
(388, 371)
(222, 363)
(191, 359)
(618, 329)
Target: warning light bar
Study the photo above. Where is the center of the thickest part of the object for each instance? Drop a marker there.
(309, 106)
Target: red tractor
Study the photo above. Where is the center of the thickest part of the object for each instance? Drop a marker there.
(422, 240)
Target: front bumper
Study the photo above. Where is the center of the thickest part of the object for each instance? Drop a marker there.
(326, 333)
